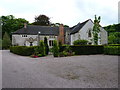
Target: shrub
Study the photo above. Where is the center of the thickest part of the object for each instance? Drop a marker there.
(42, 48)
(112, 50)
(6, 42)
(39, 55)
(55, 49)
(65, 53)
(60, 46)
(23, 50)
(46, 46)
(86, 49)
(0, 44)
(80, 42)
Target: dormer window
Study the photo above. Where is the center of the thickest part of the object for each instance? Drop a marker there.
(24, 35)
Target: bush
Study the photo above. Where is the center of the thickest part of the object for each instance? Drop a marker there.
(42, 48)
(39, 55)
(46, 46)
(86, 49)
(6, 42)
(0, 44)
(55, 49)
(23, 50)
(112, 50)
(80, 42)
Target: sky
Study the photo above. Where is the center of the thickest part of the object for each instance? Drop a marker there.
(68, 12)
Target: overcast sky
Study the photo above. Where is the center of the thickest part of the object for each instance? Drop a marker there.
(69, 12)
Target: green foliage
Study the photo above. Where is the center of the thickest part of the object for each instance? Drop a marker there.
(66, 52)
(58, 24)
(40, 55)
(1, 44)
(85, 49)
(42, 48)
(96, 29)
(6, 42)
(46, 46)
(11, 24)
(112, 50)
(42, 20)
(80, 42)
(28, 50)
(23, 50)
(112, 28)
(113, 33)
(60, 46)
(114, 38)
(55, 49)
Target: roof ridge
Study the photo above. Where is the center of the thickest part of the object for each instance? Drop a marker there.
(41, 26)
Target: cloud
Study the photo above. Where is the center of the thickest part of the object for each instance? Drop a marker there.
(68, 12)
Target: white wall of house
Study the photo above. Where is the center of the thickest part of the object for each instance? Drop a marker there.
(22, 41)
(83, 34)
(104, 36)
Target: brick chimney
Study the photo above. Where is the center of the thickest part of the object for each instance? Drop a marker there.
(61, 34)
(25, 25)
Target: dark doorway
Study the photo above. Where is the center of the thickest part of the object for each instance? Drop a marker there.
(31, 44)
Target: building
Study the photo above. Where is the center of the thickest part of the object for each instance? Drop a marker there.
(30, 35)
(83, 31)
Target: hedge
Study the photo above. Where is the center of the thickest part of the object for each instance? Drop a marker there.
(86, 49)
(112, 50)
(23, 50)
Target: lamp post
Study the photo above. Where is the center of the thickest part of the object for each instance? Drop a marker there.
(38, 37)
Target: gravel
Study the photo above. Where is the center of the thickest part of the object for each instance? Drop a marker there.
(85, 71)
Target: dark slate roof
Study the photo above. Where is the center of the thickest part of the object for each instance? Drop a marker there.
(34, 29)
(77, 27)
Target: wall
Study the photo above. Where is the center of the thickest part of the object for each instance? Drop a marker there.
(21, 41)
(83, 34)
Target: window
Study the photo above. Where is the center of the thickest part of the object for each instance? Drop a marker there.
(24, 35)
(51, 36)
(51, 43)
(89, 33)
(90, 43)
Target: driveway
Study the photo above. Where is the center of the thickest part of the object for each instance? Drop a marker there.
(85, 71)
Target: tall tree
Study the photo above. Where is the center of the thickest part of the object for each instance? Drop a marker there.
(42, 48)
(11, 24)
(46, 46)
(6, 42)
(42, 20)
(96, 29)
(55, 49)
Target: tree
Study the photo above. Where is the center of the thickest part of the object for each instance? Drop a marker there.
(55, 49)
(0, 44)
(42, 48)
(42, 20)
(58, 24)
(6, 42)
(46, 46)
(114, 38)
(11, 24)
(113, 33)
(96, 29)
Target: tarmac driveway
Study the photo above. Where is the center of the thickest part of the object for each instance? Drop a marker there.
(85, 71)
